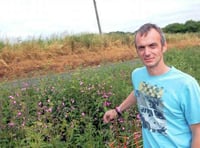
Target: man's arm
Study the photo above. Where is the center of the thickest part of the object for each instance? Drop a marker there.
(112, 114)
(129, 101)
(195, 135)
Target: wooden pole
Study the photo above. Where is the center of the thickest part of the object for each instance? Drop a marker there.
(97, 16)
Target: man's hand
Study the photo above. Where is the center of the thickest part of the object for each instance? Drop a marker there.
(109, 115)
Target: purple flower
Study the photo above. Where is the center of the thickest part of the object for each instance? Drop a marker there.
(106, 103)
(11, 124)
(19, 114)
(11, 97)
(40, 103)
(121, 120)
(105, 95)
(138, 116)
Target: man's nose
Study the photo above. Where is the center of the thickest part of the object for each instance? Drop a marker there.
(147, 51)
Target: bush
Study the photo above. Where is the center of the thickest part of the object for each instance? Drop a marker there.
(188, 26)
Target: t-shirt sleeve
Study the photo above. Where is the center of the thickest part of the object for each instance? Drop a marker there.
(191, 103)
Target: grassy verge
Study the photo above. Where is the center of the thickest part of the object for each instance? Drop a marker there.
(67, 111)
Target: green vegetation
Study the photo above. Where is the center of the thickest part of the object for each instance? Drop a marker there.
(188, 26)
(66, 110)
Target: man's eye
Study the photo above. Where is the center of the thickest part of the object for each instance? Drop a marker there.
(140, 48)
(152, 46)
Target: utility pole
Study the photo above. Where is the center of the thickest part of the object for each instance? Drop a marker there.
(97, 16)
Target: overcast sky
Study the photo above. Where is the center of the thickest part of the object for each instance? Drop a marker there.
(34, 18)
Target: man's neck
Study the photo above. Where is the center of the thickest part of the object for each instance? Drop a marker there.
(158, 70)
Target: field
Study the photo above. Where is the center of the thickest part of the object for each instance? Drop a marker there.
(56, 109)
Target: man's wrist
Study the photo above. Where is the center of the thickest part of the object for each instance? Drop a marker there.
(118, 111)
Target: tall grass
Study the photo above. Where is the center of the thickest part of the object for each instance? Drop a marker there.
(73, 43)
(66, 110)
(82, 43)
(59, 54)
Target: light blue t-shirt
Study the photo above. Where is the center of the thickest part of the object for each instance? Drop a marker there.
(168, 105)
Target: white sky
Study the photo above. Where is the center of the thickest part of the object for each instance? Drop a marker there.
(36, 18)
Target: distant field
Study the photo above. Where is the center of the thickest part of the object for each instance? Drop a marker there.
(56, 55)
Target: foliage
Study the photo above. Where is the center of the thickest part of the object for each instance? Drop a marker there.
(66, 110)
(186, 60)
(188, 26)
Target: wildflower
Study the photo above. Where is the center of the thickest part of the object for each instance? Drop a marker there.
(19, 114)
(49, 110)
(52, 88)
(83, 114)
(11, 97)
(25, 84)
(98, 92)
(121, 120)
(23, 123)
(23, 89)
(81, 83)
(17, 94)
(72, 100)
(106, 103)
(105, 95)
(136, 135)
(109, 93)
(138, 116)
(11, 124)
(40, 103)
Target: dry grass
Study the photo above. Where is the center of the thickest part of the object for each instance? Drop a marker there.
(35, 58)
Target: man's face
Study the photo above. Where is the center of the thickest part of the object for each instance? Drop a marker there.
(149, 48)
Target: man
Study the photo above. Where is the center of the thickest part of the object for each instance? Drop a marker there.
(168, 99)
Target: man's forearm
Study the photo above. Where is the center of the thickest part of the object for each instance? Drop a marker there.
(129, 101)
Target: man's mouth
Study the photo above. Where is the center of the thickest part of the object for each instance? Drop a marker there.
(148, 59)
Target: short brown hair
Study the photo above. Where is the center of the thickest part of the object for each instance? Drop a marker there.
(144, 29)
